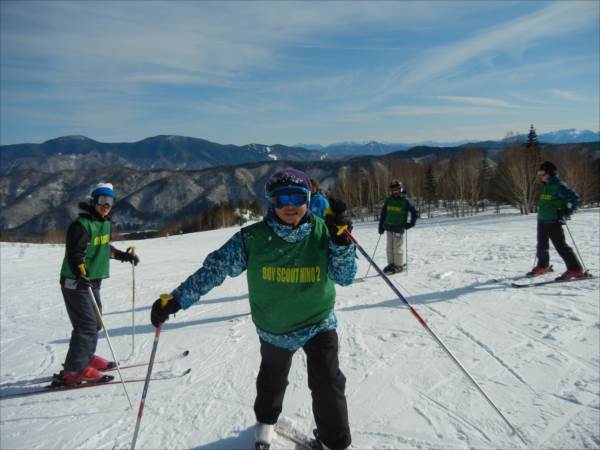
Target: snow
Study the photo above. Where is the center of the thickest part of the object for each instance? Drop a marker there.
(535, 352)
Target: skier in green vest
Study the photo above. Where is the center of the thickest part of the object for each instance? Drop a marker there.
(394, 220)
(86, 264)
(556, 205)
(292, 259)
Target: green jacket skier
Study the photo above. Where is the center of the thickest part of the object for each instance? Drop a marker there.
(556, 205)
(85, 265)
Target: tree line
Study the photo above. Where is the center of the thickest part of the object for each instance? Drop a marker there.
(469, 181)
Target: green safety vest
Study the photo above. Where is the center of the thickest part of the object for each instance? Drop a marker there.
(98, 251)
(396, 211)
(288, 283)
(549, 202)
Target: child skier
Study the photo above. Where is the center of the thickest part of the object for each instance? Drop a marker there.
(85, 264)
(318, 202)
(394, 220)
(291, 259)
(557, 203)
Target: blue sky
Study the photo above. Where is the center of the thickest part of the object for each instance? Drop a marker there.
(297, 72)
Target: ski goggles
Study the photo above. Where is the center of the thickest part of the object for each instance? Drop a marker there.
(104, 200)
(295, 197)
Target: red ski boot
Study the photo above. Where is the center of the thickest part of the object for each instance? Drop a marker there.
(572, 275)
(88, 375)
(101, 364)
(538, 270)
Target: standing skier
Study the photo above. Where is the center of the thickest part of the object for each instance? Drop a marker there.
(556, 204)
(394, 220)
(292, 259)
(318, 202)
(85, 264)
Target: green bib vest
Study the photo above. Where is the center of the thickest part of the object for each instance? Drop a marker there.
(549, 202)
(98, 251)
(288, 283)
(396, 211)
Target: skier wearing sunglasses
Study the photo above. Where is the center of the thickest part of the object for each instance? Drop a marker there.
(292, 260)
(86, 264)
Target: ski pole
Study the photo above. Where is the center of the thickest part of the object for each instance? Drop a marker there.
(373, 257)
(99, 314)
(432, 334)
(163, 299)
(133, 305)
(575, 245)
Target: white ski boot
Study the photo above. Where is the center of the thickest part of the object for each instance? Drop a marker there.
(263, 435)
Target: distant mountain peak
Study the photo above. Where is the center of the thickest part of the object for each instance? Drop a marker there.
(73, 137)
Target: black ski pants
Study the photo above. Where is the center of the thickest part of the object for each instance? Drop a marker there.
(325, 380)
(86, 325)
(554, 232)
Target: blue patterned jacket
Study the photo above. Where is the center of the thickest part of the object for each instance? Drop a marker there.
(230, 260)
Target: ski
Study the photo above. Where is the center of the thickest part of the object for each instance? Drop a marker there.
(48, 379)
(375, 275)
(34, 390)
(145, 363)
(555, 281)
(527, 276)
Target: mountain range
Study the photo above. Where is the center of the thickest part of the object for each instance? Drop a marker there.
(169, 152)
(165, 178)
(566, 136)
(158, 152)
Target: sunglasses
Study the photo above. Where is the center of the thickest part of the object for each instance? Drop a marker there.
(295, 199)
(104, 200)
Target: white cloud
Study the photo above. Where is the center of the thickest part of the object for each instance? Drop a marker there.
(554, 20)
(573, 96)
(479, 101)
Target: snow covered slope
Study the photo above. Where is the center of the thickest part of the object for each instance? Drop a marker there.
(535, 351)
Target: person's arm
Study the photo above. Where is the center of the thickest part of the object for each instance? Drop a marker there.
(342, 263)
(570, 197)
(76, 246)
(126, 256)
(382, 217)
(414, 214)
(324, 205)
(229, 260)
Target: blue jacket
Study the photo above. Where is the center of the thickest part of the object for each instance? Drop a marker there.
(318, 205)
(230, 260)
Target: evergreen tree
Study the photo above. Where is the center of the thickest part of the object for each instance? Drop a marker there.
(532, 140)
(533, 159)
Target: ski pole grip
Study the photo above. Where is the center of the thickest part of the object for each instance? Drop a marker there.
(164, 299)
(132, 250)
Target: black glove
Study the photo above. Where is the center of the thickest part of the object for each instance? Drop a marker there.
(381, 229)
(162, 308)
(82, 280)
(83, 283)
(131, 257)
(127, 256)
(337, 222)
(409, 225)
